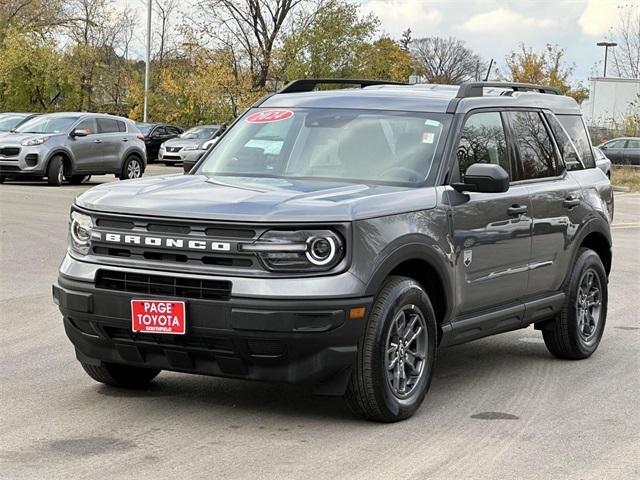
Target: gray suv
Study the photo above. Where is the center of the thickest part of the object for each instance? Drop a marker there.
(340, 238)
(72, 146)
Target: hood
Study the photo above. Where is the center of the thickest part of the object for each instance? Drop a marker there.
(184, 142)
(254, 199)
(10, 138)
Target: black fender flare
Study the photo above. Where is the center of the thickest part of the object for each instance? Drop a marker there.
(593, 225)
(415, 247)
(60, 151)
(133, 151)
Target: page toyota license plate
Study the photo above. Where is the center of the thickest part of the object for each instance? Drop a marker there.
(158, 316)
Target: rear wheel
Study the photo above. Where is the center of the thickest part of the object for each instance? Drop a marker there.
(121, 375)
(396, 354)
(577, 332)
(132, 168)
(55, 171)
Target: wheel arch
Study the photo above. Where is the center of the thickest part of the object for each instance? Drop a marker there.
(67, 160)
(426, 266)
(596, 236)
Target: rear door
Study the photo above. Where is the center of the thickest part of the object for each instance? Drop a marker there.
(556, 198)
(491, 231)
(111, 140)
(632, 152)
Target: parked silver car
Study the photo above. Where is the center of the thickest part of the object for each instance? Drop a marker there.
(623, 151)
(189, 146)
(72, 146)
(11, 120)
(602, 162)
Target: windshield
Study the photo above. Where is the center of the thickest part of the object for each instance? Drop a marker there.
(144, 127)
(9, 122)
(199, 133)
(333, 144)
(46, 124)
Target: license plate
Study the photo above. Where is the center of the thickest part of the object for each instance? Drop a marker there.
(158, 316)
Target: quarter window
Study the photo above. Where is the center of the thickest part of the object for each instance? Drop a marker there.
(572, 159)
(537, 157)
(483, 141)
(574, 126)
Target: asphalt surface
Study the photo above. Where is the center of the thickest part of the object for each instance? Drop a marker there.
(498, 408)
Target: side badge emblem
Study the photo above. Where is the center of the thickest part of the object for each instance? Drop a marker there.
(468, 256)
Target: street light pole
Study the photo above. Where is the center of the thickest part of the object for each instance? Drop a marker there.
(606, 46)
(147, 66)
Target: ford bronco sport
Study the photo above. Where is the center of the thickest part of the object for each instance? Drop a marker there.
(339, 238)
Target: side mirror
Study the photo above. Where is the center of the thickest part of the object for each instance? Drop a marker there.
(79, 132)
(484, 178)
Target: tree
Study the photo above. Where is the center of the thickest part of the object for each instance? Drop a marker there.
(547, 67)
(33, 16)
(405, 40)
(164, 9)
(626, 56)
(447, 60)
(384, 59)
(334, 44)
(252, 26)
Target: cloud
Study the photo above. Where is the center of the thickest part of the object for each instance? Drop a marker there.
(396, 15)
(598, 17)
(501, 20)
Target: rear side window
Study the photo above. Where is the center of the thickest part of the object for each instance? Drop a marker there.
(483, 141)
(107, 125)
(633, 143)
(537, 154)
(122, 127)
(572, 159)
(574, 126)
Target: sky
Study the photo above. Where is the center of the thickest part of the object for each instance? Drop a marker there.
(493, 28)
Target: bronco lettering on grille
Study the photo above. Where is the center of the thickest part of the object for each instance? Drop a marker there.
(167, 242)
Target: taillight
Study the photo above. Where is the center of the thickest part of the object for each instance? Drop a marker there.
(140, 136)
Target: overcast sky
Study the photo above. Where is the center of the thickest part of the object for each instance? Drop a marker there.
(494, 27)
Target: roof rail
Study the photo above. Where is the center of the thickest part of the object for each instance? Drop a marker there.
(475, 89)
(308, 84)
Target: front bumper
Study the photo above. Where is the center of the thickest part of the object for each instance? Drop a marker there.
(29, 162)
(180, 156)
(295, 341)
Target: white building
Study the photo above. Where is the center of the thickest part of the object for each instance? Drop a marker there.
(610, 100)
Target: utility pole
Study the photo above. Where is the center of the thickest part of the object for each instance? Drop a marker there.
(147, 66)
(606, 46)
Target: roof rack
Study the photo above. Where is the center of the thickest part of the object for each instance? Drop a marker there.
(475, 89)
(308, 84)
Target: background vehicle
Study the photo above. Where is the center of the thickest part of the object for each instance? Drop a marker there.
(339, 239)
(602, 162)
(155, 134)
(9, 120)
(73, 145)
(189, 146)
(623, 151)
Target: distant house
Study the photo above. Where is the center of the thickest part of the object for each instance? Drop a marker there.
(610, 101)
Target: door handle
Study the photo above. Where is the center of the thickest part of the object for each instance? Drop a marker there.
(125, 139)
(97, 141)
(571, 202)
(517, 209)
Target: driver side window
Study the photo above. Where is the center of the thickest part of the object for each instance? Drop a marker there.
(483, 141)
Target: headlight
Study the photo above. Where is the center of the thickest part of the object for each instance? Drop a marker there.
(300, 250)
(80, 232)
(191, 147)
(30, 142)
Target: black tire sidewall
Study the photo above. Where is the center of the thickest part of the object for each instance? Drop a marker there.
(53, 171)
(125, 167)
(586, 259)
(404, 293)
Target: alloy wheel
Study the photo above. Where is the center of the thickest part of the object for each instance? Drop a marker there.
(589, 304)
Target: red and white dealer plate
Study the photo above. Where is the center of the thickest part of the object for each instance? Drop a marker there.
(158, 316)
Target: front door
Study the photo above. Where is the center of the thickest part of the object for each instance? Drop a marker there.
(86, 150)
(614, 150)
(491, 231)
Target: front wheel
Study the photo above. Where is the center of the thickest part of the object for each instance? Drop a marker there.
(121, 375)
(396, 354)
(132, 168)
(577, 332)
(55, 171)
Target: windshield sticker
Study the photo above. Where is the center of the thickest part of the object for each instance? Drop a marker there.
(269, 116)
(428, 137)
(432, 123)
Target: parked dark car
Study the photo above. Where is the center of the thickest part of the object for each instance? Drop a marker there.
(623, 151)
(155, 134)
(11, 120)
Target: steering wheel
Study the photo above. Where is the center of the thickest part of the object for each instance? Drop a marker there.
(414, 175)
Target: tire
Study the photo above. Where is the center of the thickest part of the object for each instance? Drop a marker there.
(375, 391)
(78, 179)
(123, 376)
(2, 179)
(576, 334)
(131, 165)
(55, 171)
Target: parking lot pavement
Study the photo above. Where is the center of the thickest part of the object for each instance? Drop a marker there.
(500, 407)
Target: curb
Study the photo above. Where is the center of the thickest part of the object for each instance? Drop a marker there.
(620, 189)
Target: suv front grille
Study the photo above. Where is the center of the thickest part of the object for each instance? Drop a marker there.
(162, 285)
(9, 151)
